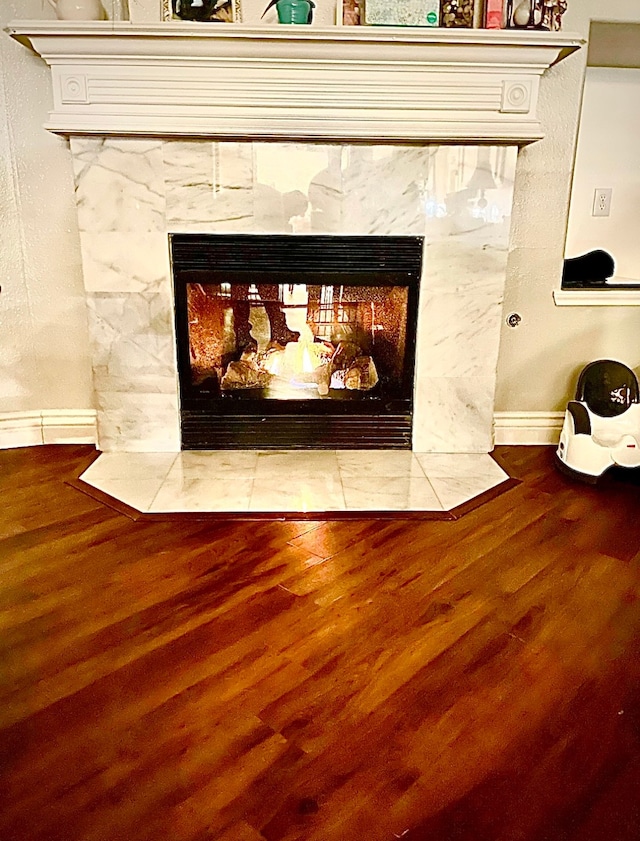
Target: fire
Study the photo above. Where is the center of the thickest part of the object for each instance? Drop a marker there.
(307, 364)
(302, 364)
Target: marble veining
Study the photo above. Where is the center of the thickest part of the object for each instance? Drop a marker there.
(133, 338)
(138, 422)
(396, 172)
(119, 184)
(456, 415)
(379, 464)
(455, 320)
(113, 261)
(217, 463)
(188, 182)
(132, 193)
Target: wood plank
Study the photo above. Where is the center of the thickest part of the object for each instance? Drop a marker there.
(335, 681)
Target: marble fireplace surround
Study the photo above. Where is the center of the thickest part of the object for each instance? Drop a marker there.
(131, 193)
(155, 152)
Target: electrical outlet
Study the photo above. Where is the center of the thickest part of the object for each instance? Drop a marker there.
(602, 201)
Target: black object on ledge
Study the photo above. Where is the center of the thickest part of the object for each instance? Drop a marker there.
(588, 270)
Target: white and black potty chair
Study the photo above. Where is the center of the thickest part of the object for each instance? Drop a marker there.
(602, 425)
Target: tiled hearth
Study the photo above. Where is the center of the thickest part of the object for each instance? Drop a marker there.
(252, 482)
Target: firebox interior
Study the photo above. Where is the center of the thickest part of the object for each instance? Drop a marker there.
(280, 333)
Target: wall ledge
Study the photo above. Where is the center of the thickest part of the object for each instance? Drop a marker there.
(597, 297)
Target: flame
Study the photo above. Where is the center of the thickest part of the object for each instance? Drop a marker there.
(307, 363)
(274, 364)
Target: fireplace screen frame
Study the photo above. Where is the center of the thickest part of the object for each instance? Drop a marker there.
(219, 420)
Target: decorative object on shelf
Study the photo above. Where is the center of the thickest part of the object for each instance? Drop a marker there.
(494, 14)
(402, 12)
(552, 11)
(292, 11)
(456, 13)
(535, 14)
(78, 9)
(348, 13)
(208, 11)
(527, 15)
(254, 13)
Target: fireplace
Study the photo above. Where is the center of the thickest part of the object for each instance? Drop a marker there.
(296, 341)
(449, 205)
(385, 131)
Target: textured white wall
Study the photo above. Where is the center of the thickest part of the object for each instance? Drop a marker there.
(608, 156)
(44, 357)
(540, 359)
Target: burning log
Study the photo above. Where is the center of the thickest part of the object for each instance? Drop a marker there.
(246, 373)
(361, 375)
(351, 369)
(303, 363)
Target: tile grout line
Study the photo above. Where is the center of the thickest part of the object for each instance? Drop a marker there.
(166, 476)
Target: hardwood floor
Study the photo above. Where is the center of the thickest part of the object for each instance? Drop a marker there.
(340, 681)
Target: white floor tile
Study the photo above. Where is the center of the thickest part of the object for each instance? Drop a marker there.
(183, 493)
(132, 478)
(212, 464)
(322, 492)
(121, 465)
(458, 477)
(303, 481)
(379, 463)
(296, 464)
(134, 491)
(393, 494)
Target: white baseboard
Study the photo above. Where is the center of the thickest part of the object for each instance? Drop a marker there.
(78, 426)
(527, 427)
(47, 426)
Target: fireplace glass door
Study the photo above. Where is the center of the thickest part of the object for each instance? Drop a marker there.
(296, 341)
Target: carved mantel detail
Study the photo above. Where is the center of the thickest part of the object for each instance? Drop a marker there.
(344, 83)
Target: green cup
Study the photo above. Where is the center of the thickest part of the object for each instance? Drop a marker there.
(293, 11)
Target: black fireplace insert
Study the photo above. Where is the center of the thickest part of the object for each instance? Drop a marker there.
(296, 341)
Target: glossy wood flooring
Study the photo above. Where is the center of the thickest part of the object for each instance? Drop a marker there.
(342, 681)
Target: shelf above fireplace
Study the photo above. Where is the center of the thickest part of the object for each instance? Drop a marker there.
(338, 83)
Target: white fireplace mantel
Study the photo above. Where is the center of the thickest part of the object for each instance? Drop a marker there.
(345, 83)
